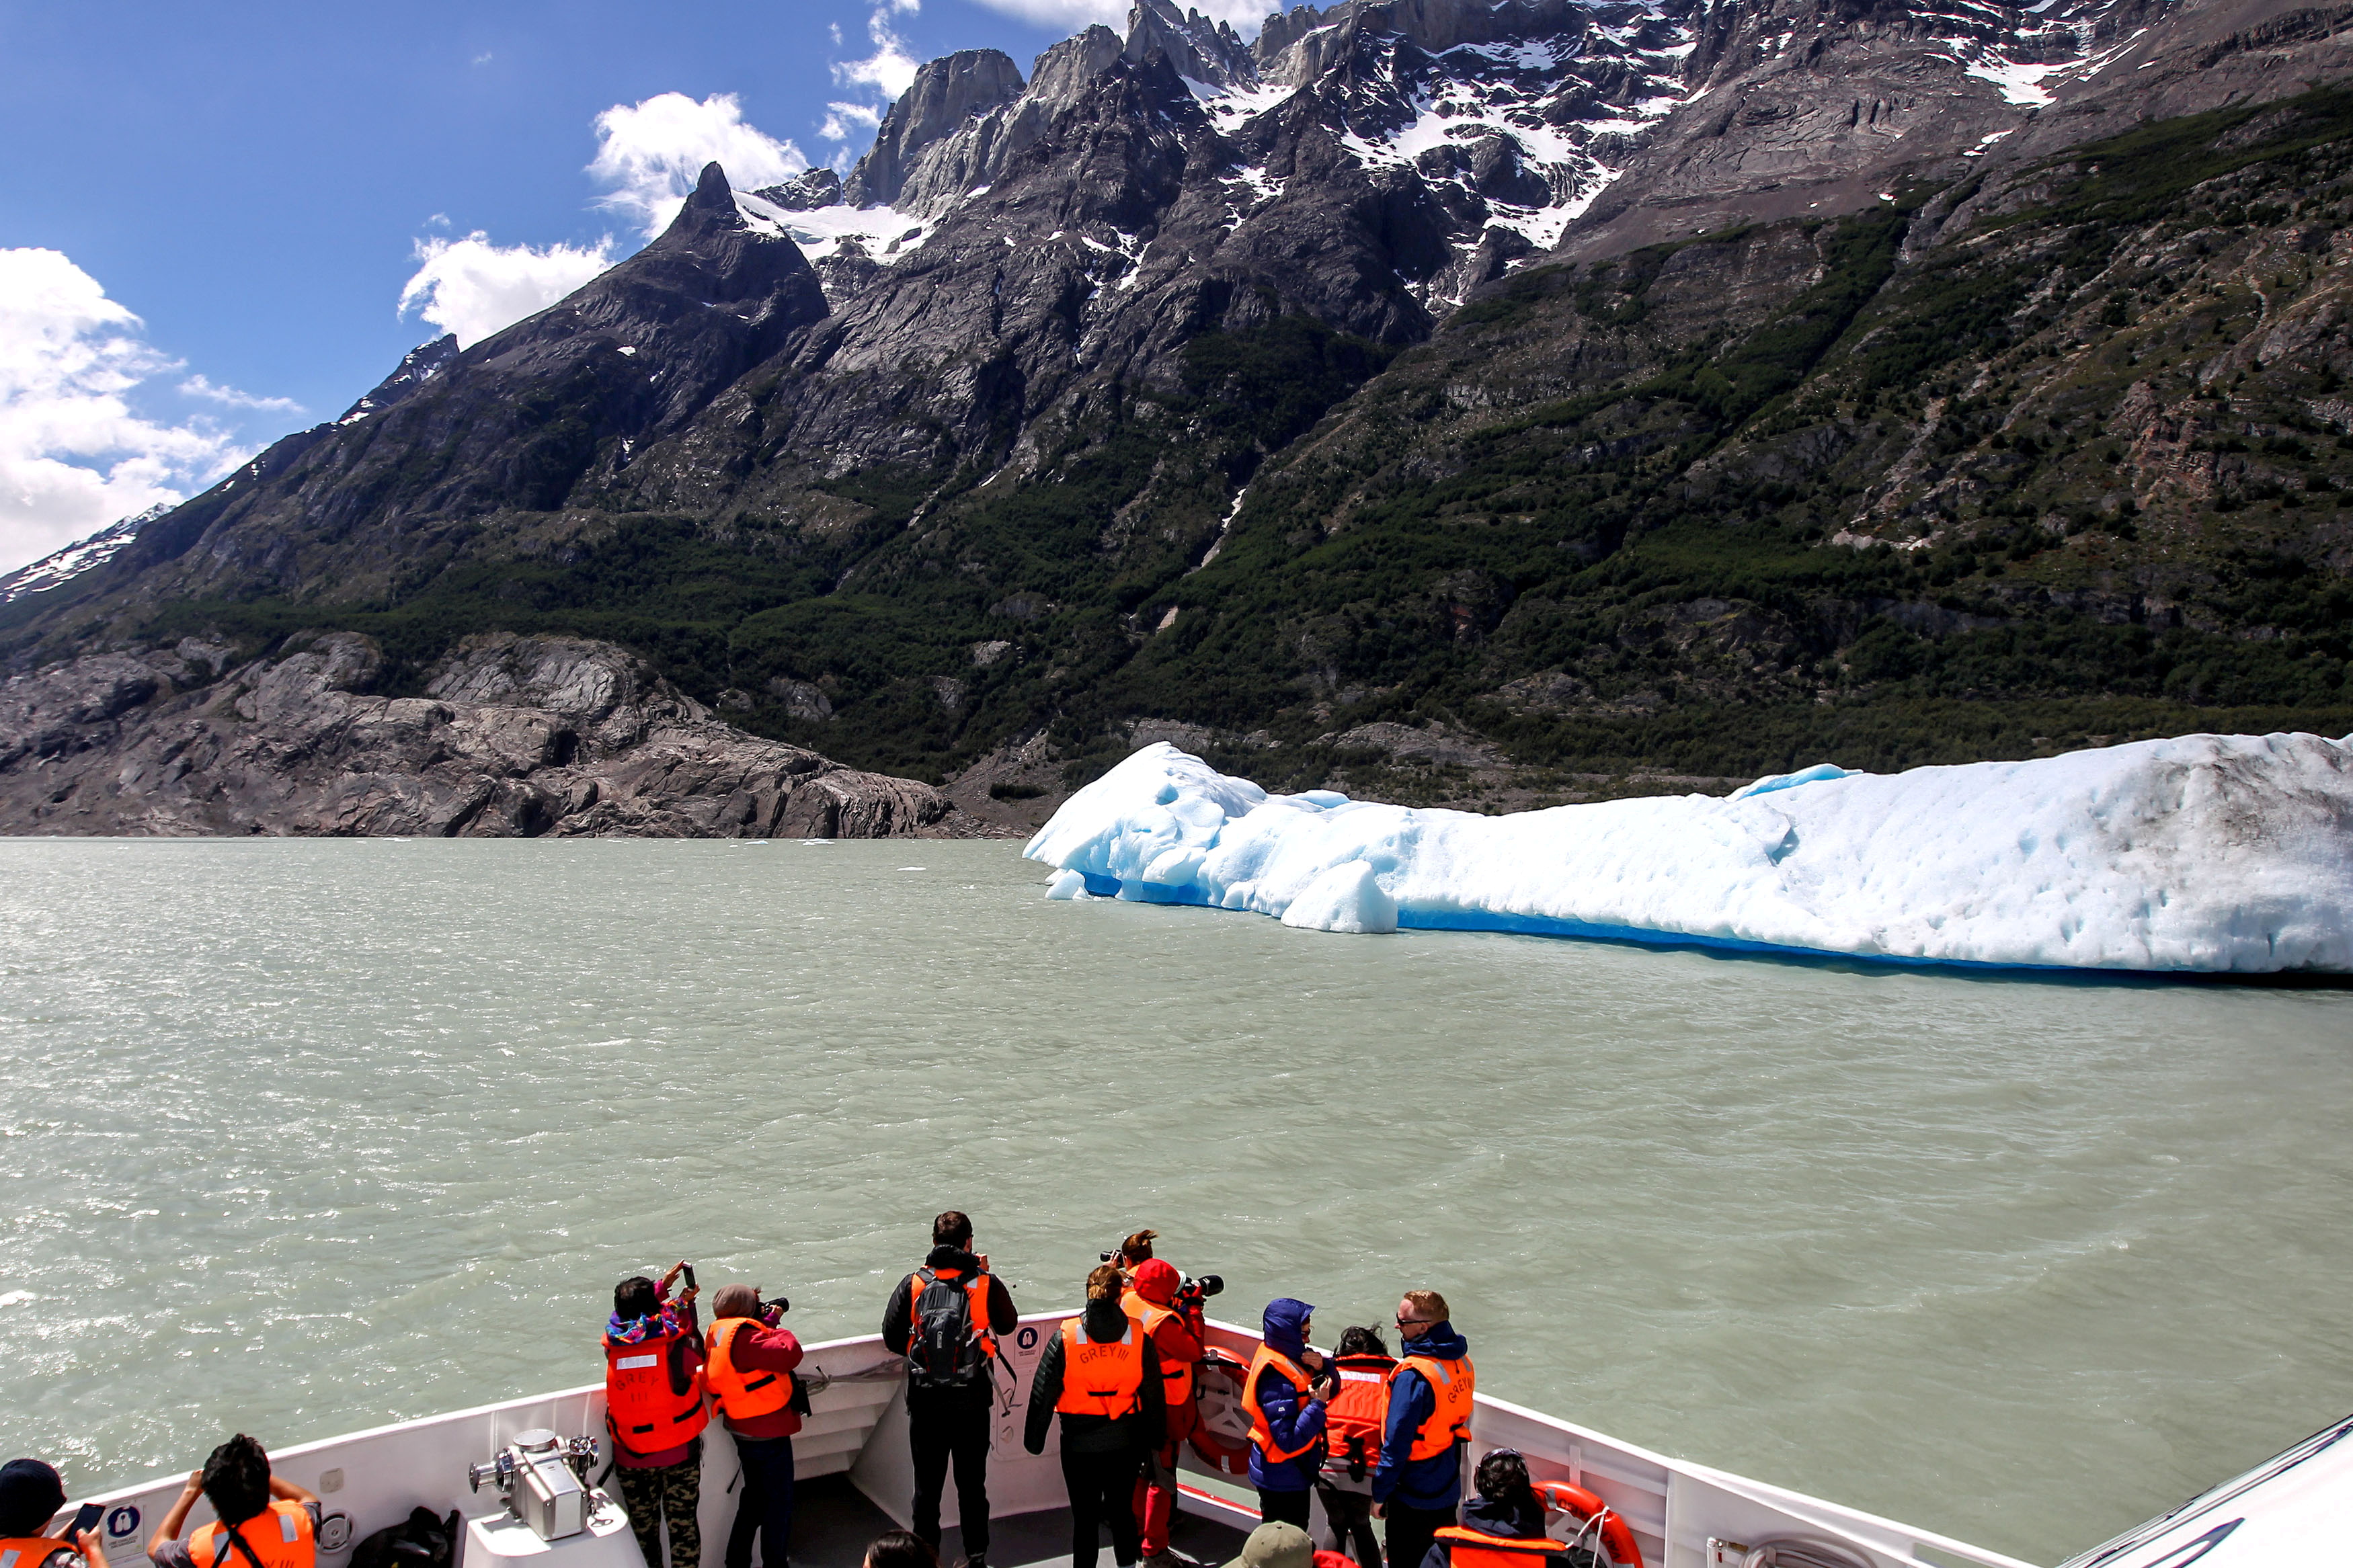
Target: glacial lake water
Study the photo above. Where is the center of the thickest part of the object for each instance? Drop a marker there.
(302, 1137)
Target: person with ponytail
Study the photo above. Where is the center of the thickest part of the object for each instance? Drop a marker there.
(1099, 1376)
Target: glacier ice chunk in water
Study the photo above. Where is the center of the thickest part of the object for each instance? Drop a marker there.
(1067, 885)
(2210, 854)
(1346, 898)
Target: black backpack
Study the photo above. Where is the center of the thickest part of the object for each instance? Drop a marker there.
(943, 1349)
(421, 1541)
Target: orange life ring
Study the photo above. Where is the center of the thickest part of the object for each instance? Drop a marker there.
(1220, 1437)
(1617, 1535)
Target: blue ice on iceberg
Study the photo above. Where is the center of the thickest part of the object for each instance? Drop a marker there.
(2229, 854)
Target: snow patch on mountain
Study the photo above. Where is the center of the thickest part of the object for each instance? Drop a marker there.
(82, 555)
(884, 234)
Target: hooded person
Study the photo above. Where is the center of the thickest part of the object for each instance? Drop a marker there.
(30, 1496)
(1286, 1413)
(1503, 1527)
(1098, 1376)
(1419, 1481)
(1175, 1333)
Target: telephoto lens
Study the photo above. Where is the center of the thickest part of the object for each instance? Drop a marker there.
(1209, 1284)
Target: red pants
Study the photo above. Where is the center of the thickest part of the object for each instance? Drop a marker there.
(1156, 1491)
(1155, 1500)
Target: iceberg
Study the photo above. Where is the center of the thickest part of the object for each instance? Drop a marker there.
(2204, 853)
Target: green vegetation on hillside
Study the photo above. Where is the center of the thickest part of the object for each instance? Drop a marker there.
(2077, 472)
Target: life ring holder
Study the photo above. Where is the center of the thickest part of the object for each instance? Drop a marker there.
(1220, 1438)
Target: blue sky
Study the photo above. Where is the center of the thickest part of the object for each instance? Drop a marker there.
(252, 182)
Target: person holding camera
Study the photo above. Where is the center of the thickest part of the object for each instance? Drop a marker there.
(945, 1319)
(261, 1521)
(751, 1375)
(655, 1409)
(1100, 1378)
(30, 1496)
(1281, 1398)
(1171, 1318)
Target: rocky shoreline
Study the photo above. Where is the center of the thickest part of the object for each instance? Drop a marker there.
(514, 737)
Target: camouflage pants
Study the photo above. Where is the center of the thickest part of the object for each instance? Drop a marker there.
(671, 1492)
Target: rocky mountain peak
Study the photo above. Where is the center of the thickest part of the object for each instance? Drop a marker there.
(944, 97)
(1201, 50)
(416, 367)
(805, 192)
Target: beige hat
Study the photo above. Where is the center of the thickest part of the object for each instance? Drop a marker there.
(1277, 1543)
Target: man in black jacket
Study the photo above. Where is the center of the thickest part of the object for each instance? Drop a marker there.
(946, 1316)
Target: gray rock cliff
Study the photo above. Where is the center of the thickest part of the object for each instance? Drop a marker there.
(516, 737)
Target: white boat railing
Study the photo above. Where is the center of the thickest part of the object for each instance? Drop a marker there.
(1680, 1511)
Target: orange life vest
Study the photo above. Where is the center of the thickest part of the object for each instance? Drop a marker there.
(278, 1539)
(1262, 1435)
(976, 1291)
(32, 1550)
(1176, 1376)
(648, 1416)
(1453, 1382)
(1104, 1380)
(1468, 1548)
(1358, 1414)
(743, 1395)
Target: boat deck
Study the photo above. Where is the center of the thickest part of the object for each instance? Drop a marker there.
(833, 1522)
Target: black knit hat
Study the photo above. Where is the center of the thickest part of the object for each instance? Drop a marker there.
(30, 1493)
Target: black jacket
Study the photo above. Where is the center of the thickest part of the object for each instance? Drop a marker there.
(1146, 1428)
(1499, 1518)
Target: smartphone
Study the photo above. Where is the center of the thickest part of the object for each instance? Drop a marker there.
(85, 1518)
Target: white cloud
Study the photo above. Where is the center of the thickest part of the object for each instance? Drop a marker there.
(74, 457)
(1244, 14)
(650, 153)
(843, 121)
(473, 287)
(890, 68)
(205, 387)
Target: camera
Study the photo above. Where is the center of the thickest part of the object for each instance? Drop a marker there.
(1193, 1292)
(772, 1311)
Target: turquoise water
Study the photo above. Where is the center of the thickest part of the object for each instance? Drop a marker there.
(302, 1137)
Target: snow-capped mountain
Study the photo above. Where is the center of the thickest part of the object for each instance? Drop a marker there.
(1353, 350)
(1506, 122)
(82, 555)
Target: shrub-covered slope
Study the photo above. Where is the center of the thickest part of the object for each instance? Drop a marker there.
(2006, 462)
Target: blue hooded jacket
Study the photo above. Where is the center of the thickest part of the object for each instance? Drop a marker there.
(1437, 1481)
(1292, 1420)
